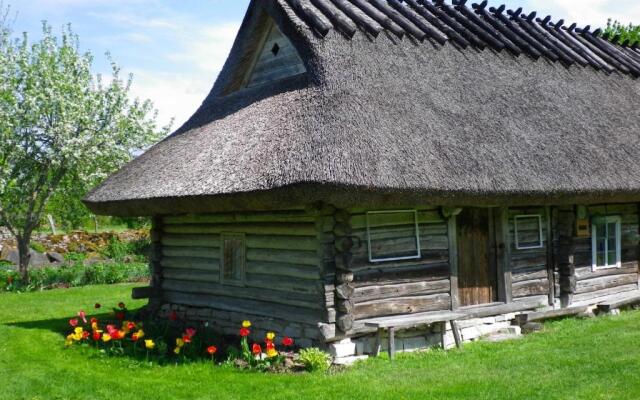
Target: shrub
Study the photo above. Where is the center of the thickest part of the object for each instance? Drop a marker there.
(315, 359)
(75, 275)
(39, 247)
(117, 249)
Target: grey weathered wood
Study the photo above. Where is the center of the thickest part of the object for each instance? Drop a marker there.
(212, 253)
(212, 241)
(344, 322)
(456, 333)
(503, 243)
(399, 273)
(605, 282)
(453, 260)
(378, 343)
(367, 293)
(550, 261)
(190, 263)
(271, 228)
(283, 270)
(243, 306)
(392, 342)
(621, 300)
(530, 274)
(531, 287)
(245, 217)
(413, 320)
(344, 291)
(549, 314)
(287, 256)
(595, 296)
(402, 305)
(587, 272)
(359, 221)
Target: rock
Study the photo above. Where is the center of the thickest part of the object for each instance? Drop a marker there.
(348, 360)
(532, 327)
(55, 257)
(6, 251)
(288, 363)
(36, 260)
(342, 348)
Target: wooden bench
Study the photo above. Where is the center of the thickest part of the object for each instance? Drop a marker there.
(621, 300)
(391, 324)
(523, 318)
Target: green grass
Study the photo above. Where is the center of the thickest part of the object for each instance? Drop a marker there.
(572, 359)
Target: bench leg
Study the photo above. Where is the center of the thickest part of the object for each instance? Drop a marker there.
(378, 344)
(456, 333)
(392, 343)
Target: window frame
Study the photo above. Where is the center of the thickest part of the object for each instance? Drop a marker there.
(540, 244)
(388, 259)
(233, 235)
(606, 219)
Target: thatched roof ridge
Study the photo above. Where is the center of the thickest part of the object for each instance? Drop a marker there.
(390, 117)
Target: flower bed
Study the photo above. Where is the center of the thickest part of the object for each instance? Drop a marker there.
(173, 342)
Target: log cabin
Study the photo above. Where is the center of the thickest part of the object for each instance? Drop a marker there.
(363, 165)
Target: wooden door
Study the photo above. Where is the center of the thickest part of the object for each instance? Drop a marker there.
(477, 275)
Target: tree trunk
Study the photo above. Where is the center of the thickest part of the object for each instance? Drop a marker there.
(24, 256)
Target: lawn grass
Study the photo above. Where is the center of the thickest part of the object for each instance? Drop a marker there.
(572, 359)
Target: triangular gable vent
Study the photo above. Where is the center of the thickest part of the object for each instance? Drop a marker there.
(276, 59)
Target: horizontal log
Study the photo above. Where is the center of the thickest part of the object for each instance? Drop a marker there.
(191, 240)
(621, 300)
(253, 293)
(359, 221)
(593, 297)
(195, 252)
(429, 257)
(190, 263)
(283, 270)
(528, 275)
(525, 261)
(345, 306)
(403, 305)
(588, 272)
(396, 274)
(287, 256)
(377, 292)
(344, 322)
(344, 291)
(549, 314)
(530, 288)
(275, 216)
(191, 275)
(605, 282)
(246, 307)
(288, 229)
(282, 242)
(289, 285)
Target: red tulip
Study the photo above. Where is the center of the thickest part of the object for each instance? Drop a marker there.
(121, 305)
(186, 339)
(190, 332)
(244, 332)
(96, 335)
(135, 337)
(82, 315)
(212, 350)
(256, 349)
(85, 334)
(97, 305)
(111, 328)
(270, 345)
(173, 316)
(287, 341)
(73, 322)
(94, 320)
(131, 326)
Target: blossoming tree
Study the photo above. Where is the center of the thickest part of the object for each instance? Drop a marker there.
(60, 125)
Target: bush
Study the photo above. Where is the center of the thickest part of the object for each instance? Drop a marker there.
(315, 359)
(75, 275)
(117, 249)
(39, 247)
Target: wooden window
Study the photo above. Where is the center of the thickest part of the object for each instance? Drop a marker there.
(393, 235)
(233, 258)
(528, 231)
(606, 235)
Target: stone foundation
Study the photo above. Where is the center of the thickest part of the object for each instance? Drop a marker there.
(430, 336)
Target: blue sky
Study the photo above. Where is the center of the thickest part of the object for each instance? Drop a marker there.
(175, 48)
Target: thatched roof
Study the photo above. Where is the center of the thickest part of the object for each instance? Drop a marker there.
(403, 101)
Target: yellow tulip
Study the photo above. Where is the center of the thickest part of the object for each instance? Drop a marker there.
(246, 324)
(176, 350)
(272, 352)
(149, 344)
(271, 335)
(78, 330)
(179, 342)
(140, 334)
(106, 337)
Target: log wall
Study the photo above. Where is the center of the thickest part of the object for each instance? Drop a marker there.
(529, 272)
(287, 256)
(589, 284)
(405, 286)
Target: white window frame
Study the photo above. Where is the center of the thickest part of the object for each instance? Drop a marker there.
(594, 240)
(417, 234)
(541, 239)
(242, 280)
